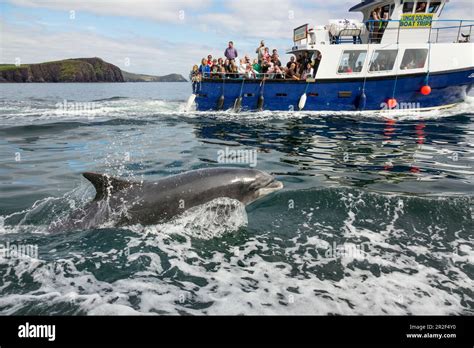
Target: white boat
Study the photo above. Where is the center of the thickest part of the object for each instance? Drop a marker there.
(413, 59)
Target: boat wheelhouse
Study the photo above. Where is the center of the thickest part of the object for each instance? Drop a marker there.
(408, 58)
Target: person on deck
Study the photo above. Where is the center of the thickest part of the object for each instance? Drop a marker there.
(316, 61)
(235, 71)
(228, 65)
(291, 73)
(256, 68)
(204, 69)
(275, 71)
(302, 61)
(276, 59)
(230, 52)
(209, 61)
(242, 67)
(421, 7)
(307, 72)
(292, 60)
(260, 50)
(223, 72)
(375, 24)
(195, 75)
(385, 17)
(266, 54)
(215, 72)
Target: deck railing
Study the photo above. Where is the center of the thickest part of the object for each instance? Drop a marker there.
(441, 30)
(247, 76)
(446, 31)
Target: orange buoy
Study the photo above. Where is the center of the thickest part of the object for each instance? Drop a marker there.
(392, 102)
(425, 90)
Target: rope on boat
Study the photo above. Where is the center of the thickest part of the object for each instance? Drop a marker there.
(392, 103)
(363, 98)
(429, 63)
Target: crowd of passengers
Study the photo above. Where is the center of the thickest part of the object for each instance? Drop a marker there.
(266, 65)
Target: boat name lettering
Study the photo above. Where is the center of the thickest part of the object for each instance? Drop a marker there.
(416, 20)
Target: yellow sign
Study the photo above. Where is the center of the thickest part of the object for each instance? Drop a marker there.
(417, 20)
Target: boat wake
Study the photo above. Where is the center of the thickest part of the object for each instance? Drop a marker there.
(463, 108)
(34, 111)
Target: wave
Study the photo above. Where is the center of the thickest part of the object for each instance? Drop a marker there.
(111, 99)
(37, 129)
(124, 107)
(337, 251)
(464, 108)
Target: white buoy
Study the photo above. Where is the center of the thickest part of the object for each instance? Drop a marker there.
(190, 102)
(302, 102)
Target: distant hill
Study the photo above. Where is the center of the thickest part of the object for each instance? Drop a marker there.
(77, 70)
(68, 70)
(131, 77)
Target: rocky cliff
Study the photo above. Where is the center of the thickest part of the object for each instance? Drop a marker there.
(130, 77)
(69, 70)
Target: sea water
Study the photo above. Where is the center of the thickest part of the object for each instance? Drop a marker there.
(376, 216)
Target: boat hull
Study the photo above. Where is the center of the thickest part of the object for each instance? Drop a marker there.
(336, 94)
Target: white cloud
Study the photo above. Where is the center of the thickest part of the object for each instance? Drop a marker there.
(37, 44)
(459, 9)
(159, 10)
(270, 19)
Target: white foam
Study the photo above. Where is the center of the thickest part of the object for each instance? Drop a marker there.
(31, 112)
(210, 220)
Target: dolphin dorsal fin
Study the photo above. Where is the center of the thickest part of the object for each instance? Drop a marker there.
(105, 185)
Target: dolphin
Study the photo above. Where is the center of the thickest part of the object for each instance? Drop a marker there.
(147, 203)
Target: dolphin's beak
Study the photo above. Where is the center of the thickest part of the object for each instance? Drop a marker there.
(273, 186)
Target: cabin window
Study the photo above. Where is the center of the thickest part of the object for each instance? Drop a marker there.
(383, 60)
(434, 6)
(351, 62)
(414, 59)
(386, 12)
(421, 6)
(408, 7)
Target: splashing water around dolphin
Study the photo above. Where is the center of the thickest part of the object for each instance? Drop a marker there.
(128, 203)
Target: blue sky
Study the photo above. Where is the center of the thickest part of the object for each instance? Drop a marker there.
(161, 36)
